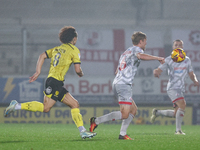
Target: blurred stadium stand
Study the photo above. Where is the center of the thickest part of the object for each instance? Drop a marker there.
(43, 19)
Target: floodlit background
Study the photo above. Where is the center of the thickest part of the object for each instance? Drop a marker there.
(28, 28)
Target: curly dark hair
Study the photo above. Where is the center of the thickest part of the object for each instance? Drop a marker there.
(67, 33)
(137, 36)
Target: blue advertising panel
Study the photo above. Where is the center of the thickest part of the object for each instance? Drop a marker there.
(21, 90)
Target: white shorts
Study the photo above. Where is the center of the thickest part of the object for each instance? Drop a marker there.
(123, 93)
(175, 95)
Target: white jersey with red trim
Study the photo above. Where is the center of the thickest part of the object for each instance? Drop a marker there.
(177, 72)
(127, 67)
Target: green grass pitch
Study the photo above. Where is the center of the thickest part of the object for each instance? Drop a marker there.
(66, 137)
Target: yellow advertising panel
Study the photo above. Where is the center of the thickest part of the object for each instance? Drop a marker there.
(55, 115)
(62, 115)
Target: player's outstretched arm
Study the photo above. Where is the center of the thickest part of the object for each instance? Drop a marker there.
(150, 57)
(78, 70)
(40, 62)
(194, 78)
(157, 72)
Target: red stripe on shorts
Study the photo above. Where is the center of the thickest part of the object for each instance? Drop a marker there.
(177, 99)
(126, 103)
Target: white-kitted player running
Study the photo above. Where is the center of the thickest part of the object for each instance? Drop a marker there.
(122, 85)
(176, 86)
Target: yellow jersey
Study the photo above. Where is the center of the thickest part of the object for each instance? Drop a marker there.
(61, 58)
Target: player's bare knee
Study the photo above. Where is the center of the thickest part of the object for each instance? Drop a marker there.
(125, 115)
(181, 104)
(74, 105)
(134, 112)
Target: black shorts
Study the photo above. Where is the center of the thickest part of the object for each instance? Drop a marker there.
(54, 89)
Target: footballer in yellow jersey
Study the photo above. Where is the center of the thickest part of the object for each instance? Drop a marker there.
(61, 59)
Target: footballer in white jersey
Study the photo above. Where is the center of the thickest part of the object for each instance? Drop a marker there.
(122, 85)
(175, 88)
(127, 67)
(177, 72)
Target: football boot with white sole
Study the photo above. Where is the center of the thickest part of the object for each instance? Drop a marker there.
(87, 134)
(179, 132)
(153, 116)
(10, 108)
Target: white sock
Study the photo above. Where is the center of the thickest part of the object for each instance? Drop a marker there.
(179, 119)
(115, 115)
(166, 113)
(17, 106)
(82, 129)
(125, 124)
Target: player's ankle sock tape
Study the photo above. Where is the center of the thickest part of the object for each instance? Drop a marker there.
(77, 117)
(33, 106)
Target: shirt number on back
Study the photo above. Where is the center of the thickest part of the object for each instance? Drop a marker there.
(56, 59)
(122, 64)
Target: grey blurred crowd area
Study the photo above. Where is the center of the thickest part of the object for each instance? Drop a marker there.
(37, 22)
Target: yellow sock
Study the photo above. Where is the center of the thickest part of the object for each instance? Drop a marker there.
(33, 106)
(77, 117)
